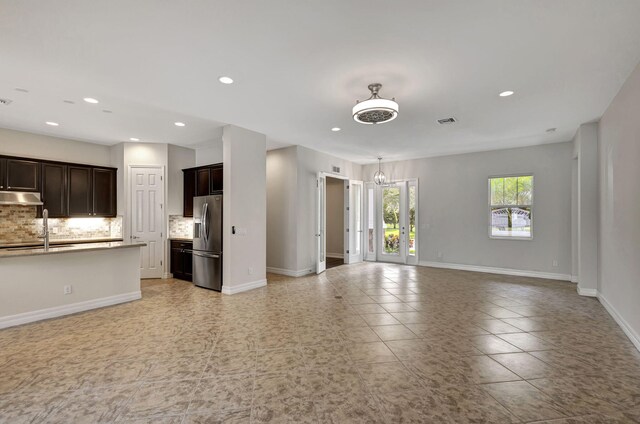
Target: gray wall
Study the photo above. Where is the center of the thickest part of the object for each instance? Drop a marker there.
(619, 174)
(453, 207)
(335, 217)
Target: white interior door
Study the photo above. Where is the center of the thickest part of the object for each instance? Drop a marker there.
(321, 224)
(354, 250)
(147, 198)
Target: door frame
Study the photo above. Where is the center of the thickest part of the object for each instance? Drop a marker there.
(126, 227)
(321, 224)
(407, 258)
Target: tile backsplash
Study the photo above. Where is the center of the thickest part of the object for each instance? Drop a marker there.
(180, 227)
(19, 224)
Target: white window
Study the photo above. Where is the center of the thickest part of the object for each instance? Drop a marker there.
(510, 207)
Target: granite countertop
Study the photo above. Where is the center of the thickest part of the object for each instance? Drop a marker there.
(34, 243)
(181, 238)
(37, 251)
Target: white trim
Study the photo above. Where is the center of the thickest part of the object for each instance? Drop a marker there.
(493, 270)
(290, 272)
(167, 275)
(244, 287)
(335, 255)
(56, 311)
(632, 335)
(587, 292)
(574, 278)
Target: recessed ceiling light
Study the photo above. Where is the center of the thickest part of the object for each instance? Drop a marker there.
(107, 111)
(71, 102)
(506, 93)
(225, 80)
(53, 124)
(335, 129)
(134, 139)
(90, 100)
(179, 124)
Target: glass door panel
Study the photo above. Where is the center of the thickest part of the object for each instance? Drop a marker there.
(392, 222)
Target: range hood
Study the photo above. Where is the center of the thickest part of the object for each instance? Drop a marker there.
(23, 198)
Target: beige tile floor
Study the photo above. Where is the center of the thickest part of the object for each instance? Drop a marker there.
(367, 343)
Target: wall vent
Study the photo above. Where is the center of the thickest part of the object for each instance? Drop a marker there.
(5, 101)
(446, 120)
(335, 169)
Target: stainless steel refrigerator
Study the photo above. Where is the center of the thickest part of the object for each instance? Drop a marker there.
(207, 241)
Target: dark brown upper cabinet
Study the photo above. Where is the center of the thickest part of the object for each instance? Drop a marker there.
(22, 175)
(189, 191)
(80, 202)
(200, 181)
(3, 173)
(54, 189)
(104, 192)
(215, 179)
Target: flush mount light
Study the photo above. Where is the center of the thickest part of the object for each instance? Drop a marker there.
(379, 178)
(134, 139)
(226, 80)
(506, 93)
(335, 129)
(53, 124)
(375, 110)
(179, 124)
(90, 100)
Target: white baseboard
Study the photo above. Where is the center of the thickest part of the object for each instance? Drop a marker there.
(574, 278)
(289, 272)
(587, 292)
(57, 311)
(335, 255)
(167, 275)
(631, 334)
(493, 270)
(243, 287)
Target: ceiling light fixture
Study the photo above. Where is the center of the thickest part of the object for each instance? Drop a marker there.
(226, 80)
(335, 129)
(179, 124)
(379, 178)
(551, 130)
(90, 100)
(53, 124)
(134, 139)
(375, 110)
(506, 93)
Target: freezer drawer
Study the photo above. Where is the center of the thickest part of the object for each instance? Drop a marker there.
(207, 270)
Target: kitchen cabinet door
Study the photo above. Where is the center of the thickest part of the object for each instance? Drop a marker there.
(202, 182)
(22, 175)
(79, 202)
(54, 189)
(3, 173)
(189, 190)
(104, 192)
(215, 179)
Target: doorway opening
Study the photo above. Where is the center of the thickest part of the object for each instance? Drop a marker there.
(335, 222)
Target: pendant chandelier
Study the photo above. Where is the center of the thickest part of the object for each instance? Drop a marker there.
(375, 110)
(379, 178)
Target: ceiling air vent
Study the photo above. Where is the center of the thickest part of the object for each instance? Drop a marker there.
(444, 121)
(335, 169)
(5, 102)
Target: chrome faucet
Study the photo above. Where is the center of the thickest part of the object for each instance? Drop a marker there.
(45, 229)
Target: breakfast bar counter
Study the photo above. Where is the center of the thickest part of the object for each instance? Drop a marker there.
(36, 284)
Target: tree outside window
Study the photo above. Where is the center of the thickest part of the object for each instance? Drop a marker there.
(511, 201)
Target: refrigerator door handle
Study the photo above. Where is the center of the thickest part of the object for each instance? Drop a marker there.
(205, 229)
(206, 255)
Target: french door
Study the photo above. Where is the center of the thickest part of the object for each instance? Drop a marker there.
(396, 222)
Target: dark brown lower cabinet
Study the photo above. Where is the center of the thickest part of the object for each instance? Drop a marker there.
(181, 260)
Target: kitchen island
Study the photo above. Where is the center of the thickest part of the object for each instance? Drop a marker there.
(36, 284)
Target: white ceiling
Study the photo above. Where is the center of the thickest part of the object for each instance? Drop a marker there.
(299, 67)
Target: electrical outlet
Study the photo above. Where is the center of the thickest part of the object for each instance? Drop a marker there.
(250, 270)
(67, 289)
(555, 262)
